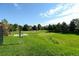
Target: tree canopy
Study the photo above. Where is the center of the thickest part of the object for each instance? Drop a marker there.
(73, 27)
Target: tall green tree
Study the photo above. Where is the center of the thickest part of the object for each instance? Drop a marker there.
(39, 27)
(25, 27)
(34, 27)
(72, 26)
(76, 21)
(54, 27)
(58, 27)
(45, 27)
(64, 28)
(50, 28)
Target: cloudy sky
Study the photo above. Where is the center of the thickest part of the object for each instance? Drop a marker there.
(43, 13)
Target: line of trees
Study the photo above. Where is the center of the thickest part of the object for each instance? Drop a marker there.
(26, 27)
(73, 27)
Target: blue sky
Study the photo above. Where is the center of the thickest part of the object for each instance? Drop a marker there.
(35, 13)
(24, 13)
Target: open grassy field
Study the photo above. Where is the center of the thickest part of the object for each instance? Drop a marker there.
(40, 43)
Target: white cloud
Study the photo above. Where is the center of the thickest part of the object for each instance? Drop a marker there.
(66, 15)
(52, 11)
(17, 6)
(73, 10)
(66, 19)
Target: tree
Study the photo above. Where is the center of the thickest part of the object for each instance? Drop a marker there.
(58, 28)
(4, 21)
(44, 27)
(25, 27)
(21, 27)
(14, 27)
(54, 28)
(34, 27)
(50, 28)
(64, 27)
(72, 26)
(5, 27)
(77, 27)
(39, 27)
(30, 27)
(76, 21)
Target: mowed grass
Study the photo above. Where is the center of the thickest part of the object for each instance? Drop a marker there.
(40, 43)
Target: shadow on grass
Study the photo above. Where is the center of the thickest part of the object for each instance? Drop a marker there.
(63, 32)
(9, 44)
(71, 33)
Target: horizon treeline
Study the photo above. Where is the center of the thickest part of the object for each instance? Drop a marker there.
(73, 27)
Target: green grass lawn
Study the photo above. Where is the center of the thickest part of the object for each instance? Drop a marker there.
(40, 43)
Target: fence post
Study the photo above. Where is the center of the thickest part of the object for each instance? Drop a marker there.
(19, 32)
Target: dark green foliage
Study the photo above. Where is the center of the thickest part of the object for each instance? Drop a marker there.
(10, 27)
(21, 27)
(54, 28)
(64, 28)
(50, 28)
(45, 27)
(77, 25)
(72, 26)
(14, 27)
(39, 27)
(34, 27)
(25, 27)
(58, 28)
